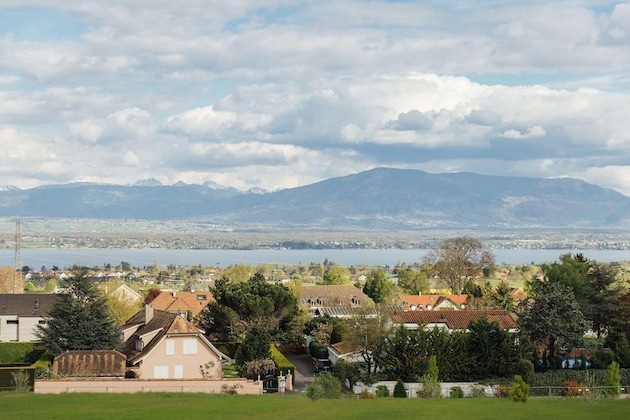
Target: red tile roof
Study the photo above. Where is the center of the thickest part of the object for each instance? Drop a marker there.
(181, 302)
(455, 320)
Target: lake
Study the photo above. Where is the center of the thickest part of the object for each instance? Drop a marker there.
(36, 258)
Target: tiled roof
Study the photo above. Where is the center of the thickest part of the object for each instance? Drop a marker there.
(194, 302)
(27, 304)
(162, 323)
(455, 320)
(90, 363)
(344, 347)
(423, 302)
(333, 296)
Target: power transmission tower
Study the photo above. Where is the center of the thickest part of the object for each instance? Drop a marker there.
(18, 261)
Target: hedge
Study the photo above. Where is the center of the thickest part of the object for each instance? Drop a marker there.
(13, 353)
(594, 377)
(282, 363)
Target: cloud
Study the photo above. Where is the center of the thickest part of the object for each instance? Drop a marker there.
(277, 94)
(529, 133)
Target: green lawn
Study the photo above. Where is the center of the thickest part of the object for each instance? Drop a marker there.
(202, 406)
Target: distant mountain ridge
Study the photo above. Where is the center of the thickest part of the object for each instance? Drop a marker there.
(379, 198)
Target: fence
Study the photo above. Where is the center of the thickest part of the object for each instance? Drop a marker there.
(575, 391)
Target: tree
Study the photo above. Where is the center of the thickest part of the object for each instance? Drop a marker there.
(239, 273)
(571, 271)
(377, 286)
(240, 306)
(81, 319)
(430, 381)
(412, 281)
(601, 300)
(255, 346)
(502, 296)
(519, 390)
(458, 260)
(491, 350)
(337, 274)
(554, 319)
(401, 354)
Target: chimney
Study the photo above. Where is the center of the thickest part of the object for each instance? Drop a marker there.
(148, 313)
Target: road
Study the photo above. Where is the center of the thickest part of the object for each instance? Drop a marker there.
(303, 370)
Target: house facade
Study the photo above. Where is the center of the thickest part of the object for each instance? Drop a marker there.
(340, 301)
(21, 314)
(164, 345)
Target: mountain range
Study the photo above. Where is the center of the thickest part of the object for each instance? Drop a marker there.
(382, 198)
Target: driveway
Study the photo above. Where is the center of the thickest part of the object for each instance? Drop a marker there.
(303, 370)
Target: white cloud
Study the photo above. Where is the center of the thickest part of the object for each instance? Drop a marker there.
(278, 93)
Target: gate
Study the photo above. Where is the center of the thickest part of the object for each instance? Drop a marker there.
(270, 384)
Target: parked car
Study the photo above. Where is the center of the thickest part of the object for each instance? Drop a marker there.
(321, 365)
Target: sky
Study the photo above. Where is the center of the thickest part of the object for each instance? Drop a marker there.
(277, 94)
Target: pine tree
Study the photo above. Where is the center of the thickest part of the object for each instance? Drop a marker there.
(81, 319)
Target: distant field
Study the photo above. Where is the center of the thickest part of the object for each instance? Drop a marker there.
(202, 406)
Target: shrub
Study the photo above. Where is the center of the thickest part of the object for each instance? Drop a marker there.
(382, 391)
(519, 390)
(325, 386)
(525, 368)
(478, 392)
(613, 379)
(430, 383)
(317, 350)
(399, 390)
(314, 391)
(571, 388)
(21, 381)
(502, 391)
(366, 395)
(456, 392)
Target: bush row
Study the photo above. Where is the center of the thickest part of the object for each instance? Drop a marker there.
(282, 363)
(593, 377)
(20, 353)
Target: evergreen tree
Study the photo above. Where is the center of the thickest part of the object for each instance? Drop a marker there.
(377, 286)
(81, 318)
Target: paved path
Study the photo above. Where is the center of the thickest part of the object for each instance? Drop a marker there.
(303, 370)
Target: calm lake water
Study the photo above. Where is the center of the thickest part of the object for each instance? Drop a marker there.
(36, 258)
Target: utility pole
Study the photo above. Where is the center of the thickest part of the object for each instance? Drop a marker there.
(17, 262)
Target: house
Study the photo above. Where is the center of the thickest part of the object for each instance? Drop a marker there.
(164, 345)
(453, 320)
(125, 293)
(186, 304)
(340, 301)
(433, 302)
(344, 350)
(21, 314)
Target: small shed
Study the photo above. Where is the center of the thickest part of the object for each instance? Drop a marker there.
(103, 363)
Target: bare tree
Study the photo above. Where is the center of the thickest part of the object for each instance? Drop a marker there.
(456, 261)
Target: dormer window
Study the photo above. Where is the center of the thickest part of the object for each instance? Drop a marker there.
(139, 344)
(320, 301)
(355, 300)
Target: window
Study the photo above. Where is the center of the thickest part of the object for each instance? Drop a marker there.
(190, 346)
(170, 347)
(13, 321)
(160, 372)
(42, 322)
(178, 371)
(202, 297)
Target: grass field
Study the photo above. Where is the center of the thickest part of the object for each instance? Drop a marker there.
(204, 406)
